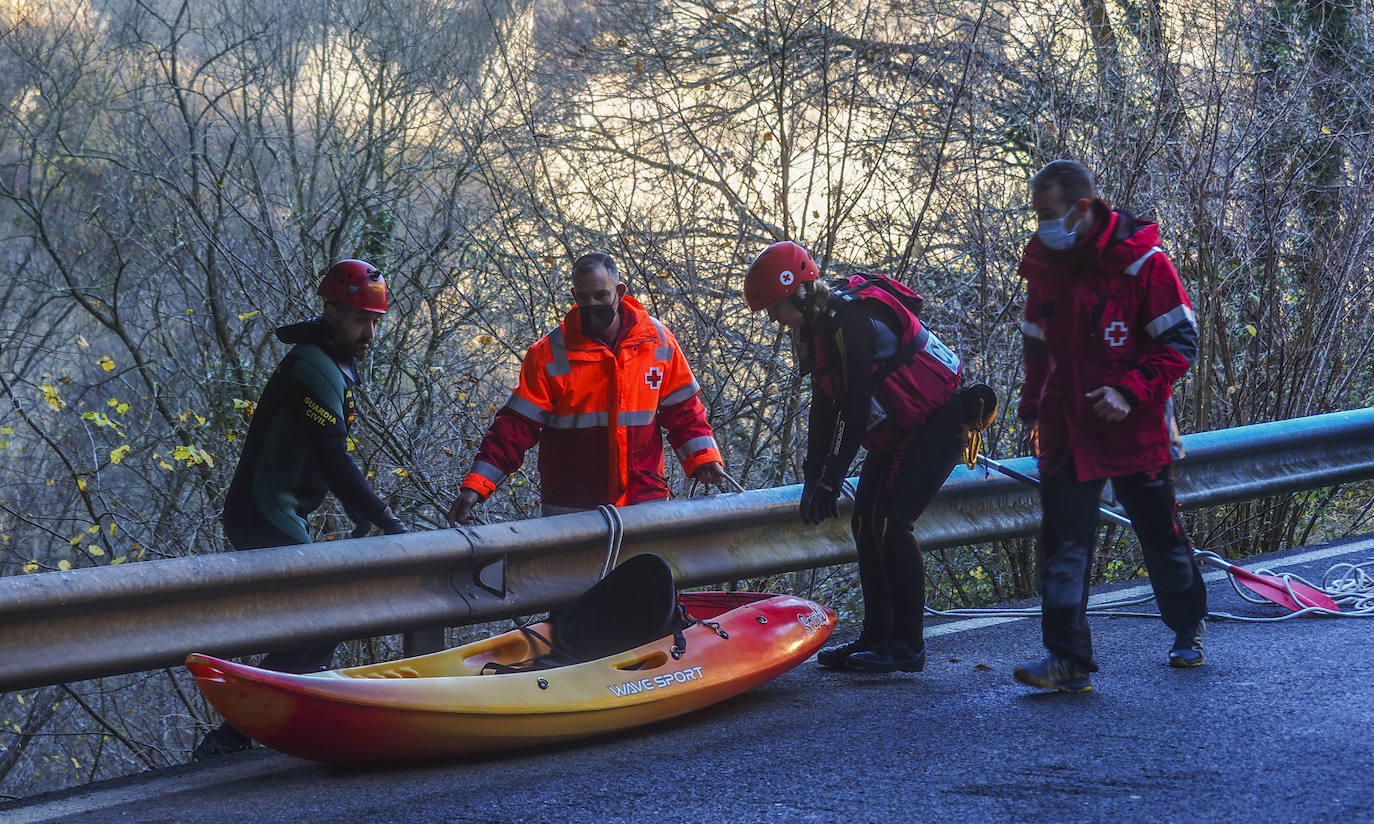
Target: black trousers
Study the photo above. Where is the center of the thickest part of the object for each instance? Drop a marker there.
(1068, 538)
(895, 487)
(315, 658)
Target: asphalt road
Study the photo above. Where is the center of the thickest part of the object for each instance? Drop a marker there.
(1275, 728)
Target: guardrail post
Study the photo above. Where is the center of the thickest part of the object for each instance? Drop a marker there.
(422, 641)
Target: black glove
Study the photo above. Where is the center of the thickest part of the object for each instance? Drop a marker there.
(361, 530)
(819, 501)
(392, 525)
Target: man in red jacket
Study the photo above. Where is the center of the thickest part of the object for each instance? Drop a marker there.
(1108, 329)
(593, 394)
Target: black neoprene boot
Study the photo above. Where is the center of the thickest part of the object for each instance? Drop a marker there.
(889, 657)
(838, 657)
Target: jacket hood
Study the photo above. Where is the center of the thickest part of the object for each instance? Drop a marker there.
(314, 332)
(1123, 240)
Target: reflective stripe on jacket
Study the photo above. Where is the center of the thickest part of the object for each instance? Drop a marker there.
(596, 414)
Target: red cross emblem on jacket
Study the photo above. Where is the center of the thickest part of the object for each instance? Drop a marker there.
(653, 377)
(1116, 333)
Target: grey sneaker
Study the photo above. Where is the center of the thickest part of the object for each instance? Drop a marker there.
(1054, 673)
(1187, 648)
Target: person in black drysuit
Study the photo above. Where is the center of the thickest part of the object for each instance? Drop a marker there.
(882, 380)
(296, 450)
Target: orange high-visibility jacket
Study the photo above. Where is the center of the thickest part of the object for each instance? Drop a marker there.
(596, 414)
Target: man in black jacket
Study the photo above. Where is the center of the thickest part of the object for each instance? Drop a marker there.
(296, 451)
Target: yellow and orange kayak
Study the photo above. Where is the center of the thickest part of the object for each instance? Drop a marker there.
(442, 704)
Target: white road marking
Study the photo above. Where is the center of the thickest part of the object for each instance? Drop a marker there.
(148, 786)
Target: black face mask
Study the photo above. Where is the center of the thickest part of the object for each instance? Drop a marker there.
(597, 318)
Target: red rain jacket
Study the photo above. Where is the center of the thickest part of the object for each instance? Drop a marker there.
(1108, 312)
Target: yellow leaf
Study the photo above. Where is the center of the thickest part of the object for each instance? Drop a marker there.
(665, 275)
(121, 559)
(4, 444)
(52, 482)
(112, 402)
(81, 484)
(81, 341)
(31, 566)
(51, 397)
(6, 430)
(720, 18)
(117, 454)
(351, 443)
(122, 408)
(485, 339)
(113, 527)
(107, 364)
(95, 550)
(401, 472)
(247, 315)
(74, 541)
(164, 464)
(93, 529)
(1250, 327)
(64, 565)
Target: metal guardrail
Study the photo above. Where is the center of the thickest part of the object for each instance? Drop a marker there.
(85, 623)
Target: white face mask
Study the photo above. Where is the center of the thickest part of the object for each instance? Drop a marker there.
(1053, 233)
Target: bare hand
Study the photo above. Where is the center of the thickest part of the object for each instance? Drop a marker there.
(710, 473)
(1109, 404)
(461, 511)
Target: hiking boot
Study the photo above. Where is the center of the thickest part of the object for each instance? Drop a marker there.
(223, 740)
(1187, 649)
(1054, 673)
(893, 655)
(838, 657)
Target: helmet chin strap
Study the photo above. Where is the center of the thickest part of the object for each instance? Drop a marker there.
(802, 299)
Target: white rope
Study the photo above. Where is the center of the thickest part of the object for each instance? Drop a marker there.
(617, 532)
(692, 490)
(1351, 586)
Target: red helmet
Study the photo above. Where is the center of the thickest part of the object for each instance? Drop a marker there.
(355, 283)
(777, 272)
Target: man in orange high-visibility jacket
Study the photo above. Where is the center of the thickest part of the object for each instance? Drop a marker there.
(593, 394)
